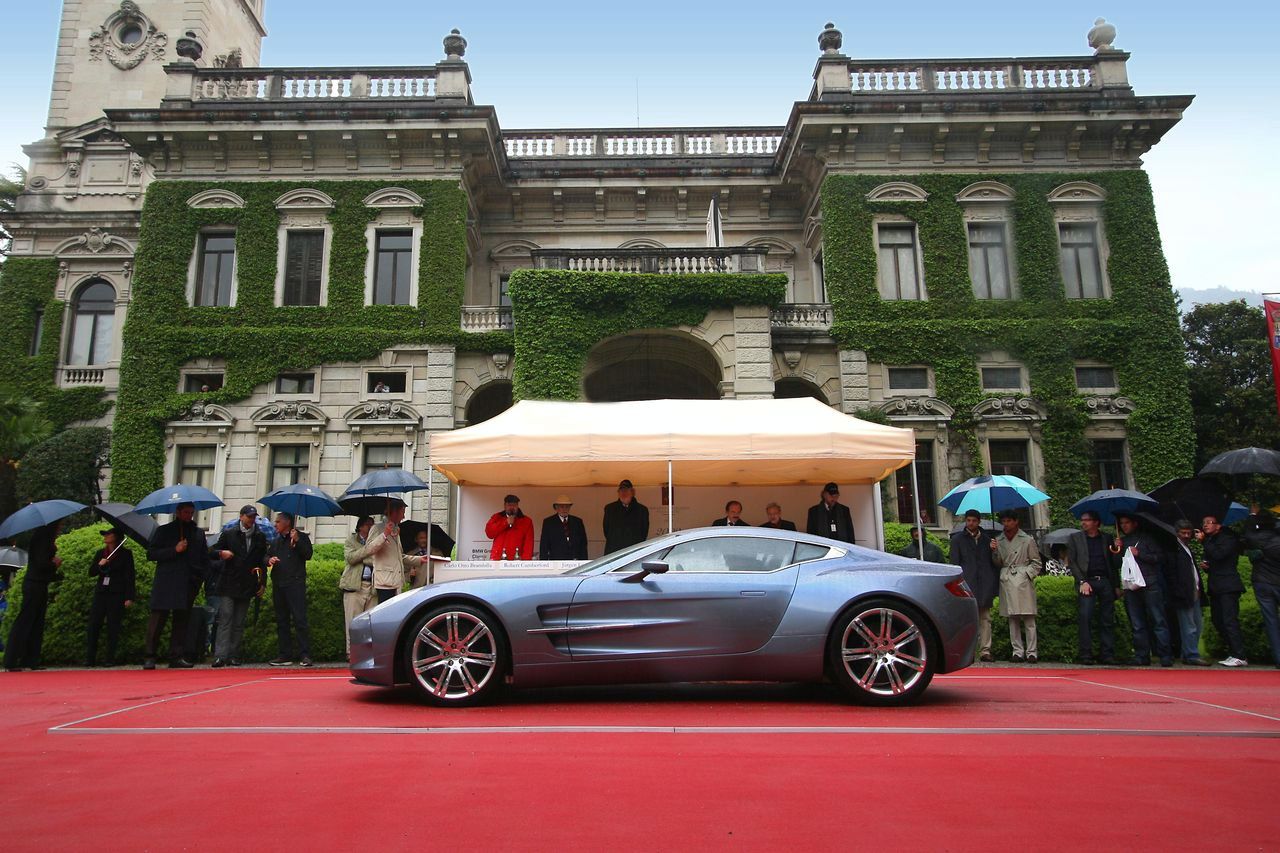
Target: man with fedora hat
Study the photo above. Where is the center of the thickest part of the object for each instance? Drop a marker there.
(564, 536)
(242, 549)
(511, 531)
(829, 517)
(626, 520)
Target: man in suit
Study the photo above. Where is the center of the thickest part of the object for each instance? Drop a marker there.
(626, 520)
(732, 516)
(243, 552)
(829, 517)
(1097, 574)
(774, 519)
(113, 590)
(1221, 561)
(287, 559)
(971, 551)
(1145, 606)
(564, 536)
(181, 554)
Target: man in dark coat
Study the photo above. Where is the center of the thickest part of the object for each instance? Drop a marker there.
(27, 634)
(732, 516)
(242, 550)
(932, 553)
(1263, 543)
(829, 517)
(774, 519)
(1096, 570)
(1145, 606)
(626, 520)
(564, 536)
(971, 551)
(114, 589)
(1222, 550)
(181, 554)
(1182, 582)
(287, 558)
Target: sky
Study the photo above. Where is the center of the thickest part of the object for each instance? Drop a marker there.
(665, 63)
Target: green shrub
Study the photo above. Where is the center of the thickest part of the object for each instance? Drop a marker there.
(327, 551)
(898, 536)
(66, 624)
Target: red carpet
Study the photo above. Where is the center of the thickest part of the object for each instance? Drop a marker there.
(995, 757)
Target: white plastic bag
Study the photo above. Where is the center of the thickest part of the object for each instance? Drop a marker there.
(1130, 573)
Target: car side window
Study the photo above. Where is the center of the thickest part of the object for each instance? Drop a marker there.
(730, 554)
(806, 551)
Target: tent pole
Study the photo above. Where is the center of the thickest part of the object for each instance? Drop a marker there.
(671, 501)
(915, 499)
(430, 517)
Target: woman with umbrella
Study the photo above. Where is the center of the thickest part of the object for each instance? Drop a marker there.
(27, 635)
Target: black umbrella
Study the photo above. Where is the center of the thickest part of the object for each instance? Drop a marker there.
(439, 539)
(1056, 537)
(367, 504)
(1191, 498)
(1246, 460)
(140, 528)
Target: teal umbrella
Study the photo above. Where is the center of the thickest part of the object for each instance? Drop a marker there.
(992, 493)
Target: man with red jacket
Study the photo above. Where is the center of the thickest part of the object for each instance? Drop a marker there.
(511, 531)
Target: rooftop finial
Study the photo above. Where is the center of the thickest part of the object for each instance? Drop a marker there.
(455, 46)
(830, 39)
(1101, 36)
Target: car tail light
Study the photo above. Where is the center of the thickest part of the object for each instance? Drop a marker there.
(959, 588)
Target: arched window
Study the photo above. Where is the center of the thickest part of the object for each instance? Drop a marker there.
(92, 324)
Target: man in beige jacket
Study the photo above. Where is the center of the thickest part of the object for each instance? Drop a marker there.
(1016, 555)
(356, 582)
(389, 561)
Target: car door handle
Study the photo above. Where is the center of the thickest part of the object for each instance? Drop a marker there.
(752, 593)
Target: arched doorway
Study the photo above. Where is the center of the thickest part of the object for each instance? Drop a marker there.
(651, 366)
(790, 387)
(489, 400)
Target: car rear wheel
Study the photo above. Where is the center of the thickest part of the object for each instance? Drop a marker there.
(455, 656)
(881, 652)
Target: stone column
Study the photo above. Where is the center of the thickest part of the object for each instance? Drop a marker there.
(854, 389)
(437, 415)
(753, 352)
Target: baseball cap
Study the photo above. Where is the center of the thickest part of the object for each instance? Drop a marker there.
(625, 484)
(248, 509)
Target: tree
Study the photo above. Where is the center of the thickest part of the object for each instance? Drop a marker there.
(10, 189)
(22, 426)
(67, 466)
(1233, 392)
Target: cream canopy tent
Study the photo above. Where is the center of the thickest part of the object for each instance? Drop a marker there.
(708, 442)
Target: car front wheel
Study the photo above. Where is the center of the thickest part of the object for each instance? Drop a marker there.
(455, 656)
(881, 652)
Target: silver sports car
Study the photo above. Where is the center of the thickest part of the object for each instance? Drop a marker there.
(711, 604)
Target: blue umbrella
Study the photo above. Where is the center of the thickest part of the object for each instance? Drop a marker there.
(384, 481)
(268, 529)
(992, 493)
(301, 499)
(168, 499)
(1107, 502)
(1235, 512)
(37, 515)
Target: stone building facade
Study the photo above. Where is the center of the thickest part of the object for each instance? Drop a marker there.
(149, 94)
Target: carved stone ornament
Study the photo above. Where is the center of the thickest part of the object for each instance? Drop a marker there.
(1109, 406)
(232, 59)
(93, 242)
(383, 411)
(127, 38)
(1102, 36)
(897, 191)
(202, 412)
(455, 46)
(1009, 408)
(830, 40)
(917, 408)
(289, 413)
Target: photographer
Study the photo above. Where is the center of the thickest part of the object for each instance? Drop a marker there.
(511, 531)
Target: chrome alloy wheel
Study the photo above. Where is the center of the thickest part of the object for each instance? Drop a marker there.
(454, 655)
(884, 651)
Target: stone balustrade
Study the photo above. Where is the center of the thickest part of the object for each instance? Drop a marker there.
(739, 142)
(421, 83)
(690, 261)
(75, 376)
(802, 315)
(487, 319)
(912, 76)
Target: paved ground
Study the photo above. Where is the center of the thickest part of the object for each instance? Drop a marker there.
(995, 757)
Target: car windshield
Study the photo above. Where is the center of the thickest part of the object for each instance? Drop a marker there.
(619, 557)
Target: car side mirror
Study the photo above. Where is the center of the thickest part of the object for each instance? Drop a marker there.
(648, 567)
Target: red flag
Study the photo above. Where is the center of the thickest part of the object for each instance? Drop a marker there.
(1272, 307)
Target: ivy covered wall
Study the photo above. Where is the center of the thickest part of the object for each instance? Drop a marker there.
(562, 315)
(258, 340)
(1136, 330)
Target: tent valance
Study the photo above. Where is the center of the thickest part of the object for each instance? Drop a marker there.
(710, 442)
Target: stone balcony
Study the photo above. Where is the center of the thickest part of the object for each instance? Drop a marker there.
(79, 377)
(657, 142)
(691, 261)
(203, 87)
(807, 318)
